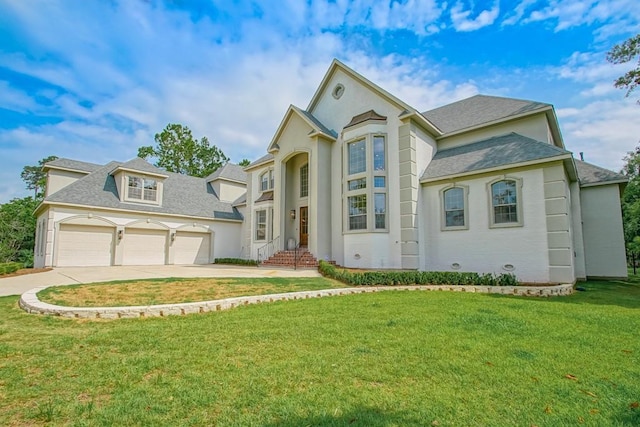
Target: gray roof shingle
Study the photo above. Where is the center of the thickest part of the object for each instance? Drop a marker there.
(262, 159)
(229, 171)
(318, 123)
(73, 165)
(141, 165)
(477, 110)
(494, 152)
(592, 175)
(183, 195)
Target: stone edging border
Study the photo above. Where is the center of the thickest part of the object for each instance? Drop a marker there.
(30, 303)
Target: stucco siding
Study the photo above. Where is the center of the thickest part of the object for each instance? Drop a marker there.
(602, 231)
(58, 179)
(535, 127)
(481, 248)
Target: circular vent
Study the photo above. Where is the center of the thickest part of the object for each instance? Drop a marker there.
(338, 91)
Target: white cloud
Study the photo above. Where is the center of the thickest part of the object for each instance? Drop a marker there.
(461, 18)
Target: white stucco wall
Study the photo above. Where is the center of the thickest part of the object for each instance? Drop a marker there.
(535, 127)
(228, 191)
(602, 230)
(481, 248)
(225, 235)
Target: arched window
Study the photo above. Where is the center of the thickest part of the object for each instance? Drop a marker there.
(454, 207)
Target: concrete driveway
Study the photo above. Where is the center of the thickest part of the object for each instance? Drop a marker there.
(17, 285)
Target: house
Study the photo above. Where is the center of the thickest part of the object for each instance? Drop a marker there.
(361, 178)
(133, 213)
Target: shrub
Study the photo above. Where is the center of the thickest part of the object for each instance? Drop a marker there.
(10, 267)
(235, 261)
(393, 278)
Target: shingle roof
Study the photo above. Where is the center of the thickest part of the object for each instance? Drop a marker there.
(592, 175)
(317, 122)
(229, 171)
(361, 118)
(490, 153)
(262, 159)
(477, 110)
(183, 195)
(73, 164)
(141, 165)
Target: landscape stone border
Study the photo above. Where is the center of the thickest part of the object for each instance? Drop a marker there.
(30, 303)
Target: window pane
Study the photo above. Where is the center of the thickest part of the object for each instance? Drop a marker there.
(379, 181)
(378, 153)
(454, 207)
(261, 225)
(135, 188)
(357, 206)
(357, 152)
(357, 184)
(505, 203)
(304, 181)
(380, 207)
(264, 181)
(150, 189)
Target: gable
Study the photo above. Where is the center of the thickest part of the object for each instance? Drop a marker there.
(343, 94)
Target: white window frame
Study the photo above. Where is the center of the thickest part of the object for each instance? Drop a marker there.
(518, 188)
(443, 211)
(258, 224)
(143, 190)
(269, 176)
(366, 176)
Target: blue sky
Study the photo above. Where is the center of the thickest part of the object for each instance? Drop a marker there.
(95, 80)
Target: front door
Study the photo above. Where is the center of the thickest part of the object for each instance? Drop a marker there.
(304, 225)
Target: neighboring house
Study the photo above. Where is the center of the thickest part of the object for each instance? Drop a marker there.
(361, 178)
(136, 214)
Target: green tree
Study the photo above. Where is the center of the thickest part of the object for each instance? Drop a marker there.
(178, 151)
(631, 201)
(621, 54)
(35, 178)
(244, 162)
(17, 230)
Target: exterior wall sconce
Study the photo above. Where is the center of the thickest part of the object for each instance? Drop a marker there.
(292, 214)
(120, 234)
(173, 236)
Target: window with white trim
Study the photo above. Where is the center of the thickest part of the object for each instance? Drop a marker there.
(143, 189)
(261, 225)
(506, 203)
(266, 180)
(365, 184)
(454, 208)
(304, 180)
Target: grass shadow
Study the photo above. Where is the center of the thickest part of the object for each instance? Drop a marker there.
(365, 416)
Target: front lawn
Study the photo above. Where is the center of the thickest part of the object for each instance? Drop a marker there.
(172, 290)
(385, 359)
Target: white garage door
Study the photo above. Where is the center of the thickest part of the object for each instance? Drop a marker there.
(84, 245)
(191, 248)
(144, 247)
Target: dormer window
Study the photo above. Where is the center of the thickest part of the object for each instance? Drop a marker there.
(143, 189)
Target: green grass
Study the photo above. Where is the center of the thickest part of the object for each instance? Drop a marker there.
(176, 290)
(384, 359)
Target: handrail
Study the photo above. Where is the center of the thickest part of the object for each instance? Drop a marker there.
(295, 256)
(267, 250)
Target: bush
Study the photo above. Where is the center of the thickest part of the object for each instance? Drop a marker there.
(10, 267)
(393, 278)
(235, 261)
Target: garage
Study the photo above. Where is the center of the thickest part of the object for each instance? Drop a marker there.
(192, 248)
(144, 246)
(84, 245)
